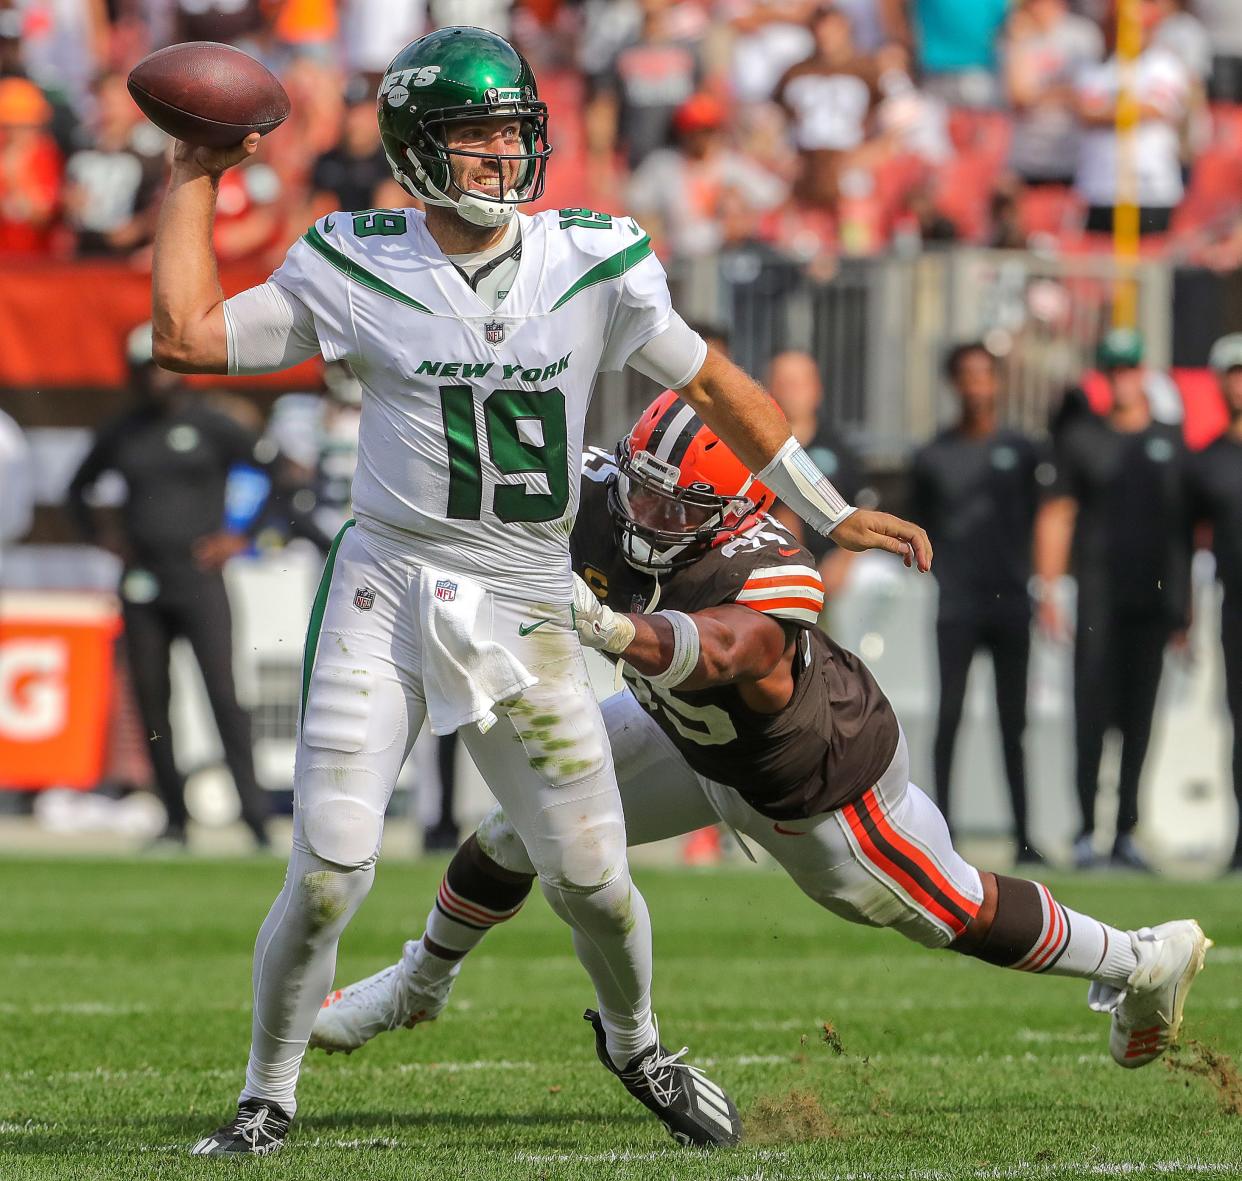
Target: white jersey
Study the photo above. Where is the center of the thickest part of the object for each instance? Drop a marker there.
(473, 417)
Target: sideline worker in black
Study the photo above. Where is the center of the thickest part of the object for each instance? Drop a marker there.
(174, 454)
(1216, 497)
(976, 488)
(1119, 507)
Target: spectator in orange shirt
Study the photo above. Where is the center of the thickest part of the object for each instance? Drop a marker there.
(30, 170)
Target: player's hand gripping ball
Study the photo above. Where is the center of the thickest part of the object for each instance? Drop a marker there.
(208, 94)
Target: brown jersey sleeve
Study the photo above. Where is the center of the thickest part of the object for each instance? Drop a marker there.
(764, 569)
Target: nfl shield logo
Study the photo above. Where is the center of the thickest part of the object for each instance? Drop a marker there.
(494, 332)
(446, 591)
(364, 598)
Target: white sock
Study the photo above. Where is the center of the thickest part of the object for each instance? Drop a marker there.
(1074, 944)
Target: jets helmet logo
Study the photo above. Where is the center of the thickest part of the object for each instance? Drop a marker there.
(364, 598)
(494, 332)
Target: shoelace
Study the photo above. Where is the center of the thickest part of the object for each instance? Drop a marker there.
(254, 1127)
(660, 1070)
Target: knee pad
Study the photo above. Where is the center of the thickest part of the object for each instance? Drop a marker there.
(588, 859)
(342, 829)
(500, 841)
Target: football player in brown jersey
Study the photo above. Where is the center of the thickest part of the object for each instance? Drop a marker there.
(739, 708)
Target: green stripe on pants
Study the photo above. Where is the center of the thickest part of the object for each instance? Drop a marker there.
(316, 616)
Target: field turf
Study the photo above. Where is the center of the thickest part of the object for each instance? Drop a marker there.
(124, 1020)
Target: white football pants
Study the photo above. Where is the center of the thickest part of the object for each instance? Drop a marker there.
(886, 860)
(546, 760)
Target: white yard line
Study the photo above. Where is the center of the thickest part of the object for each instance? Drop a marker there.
(1022, 1171)
(113, 1009)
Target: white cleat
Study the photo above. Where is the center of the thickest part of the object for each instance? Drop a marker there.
(351, 1016)
(1147, 1015)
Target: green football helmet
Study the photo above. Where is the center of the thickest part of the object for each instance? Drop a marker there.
(449, 76)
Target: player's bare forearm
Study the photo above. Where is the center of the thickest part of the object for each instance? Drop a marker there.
(186, 312)
(736, 407)
(735, 644)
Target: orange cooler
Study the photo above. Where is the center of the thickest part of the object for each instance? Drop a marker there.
(56, 683)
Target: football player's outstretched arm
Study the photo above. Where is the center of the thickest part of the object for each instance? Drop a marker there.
(187, 314)
(751, 423)
(724, 645)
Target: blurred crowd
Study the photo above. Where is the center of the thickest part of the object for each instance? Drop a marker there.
(811, 129)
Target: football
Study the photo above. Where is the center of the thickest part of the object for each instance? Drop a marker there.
(208, 94)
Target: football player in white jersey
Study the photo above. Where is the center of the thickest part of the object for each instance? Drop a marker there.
(476, 333)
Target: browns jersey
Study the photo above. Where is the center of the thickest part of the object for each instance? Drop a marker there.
(838, 733)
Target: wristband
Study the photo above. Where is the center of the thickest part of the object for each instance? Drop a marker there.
(793, 476)
(685, 651)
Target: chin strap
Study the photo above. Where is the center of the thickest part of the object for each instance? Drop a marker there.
(473, 207)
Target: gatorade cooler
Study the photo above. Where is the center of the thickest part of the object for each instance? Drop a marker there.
(56, 682)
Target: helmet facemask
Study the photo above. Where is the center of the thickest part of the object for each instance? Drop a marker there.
(426, 169)
(661, 525)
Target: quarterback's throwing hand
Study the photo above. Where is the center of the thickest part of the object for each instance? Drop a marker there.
(868, 529)
(597, 624)
(214, 161)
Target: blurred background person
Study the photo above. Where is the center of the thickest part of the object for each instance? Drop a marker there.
(768, 36)
(954, 44)
(1118, 510)
(64, 45)
(634, 97)
(687, 196)
(976, 488)
(1163, 89)
(1044, 49)
(828, 98)
(354, 173)
(795, 383)
(113, 186)
(31, 170)
(175, 455)
(248, 222)
(1215, 492)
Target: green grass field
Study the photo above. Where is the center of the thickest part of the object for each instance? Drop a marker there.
(125, 1019)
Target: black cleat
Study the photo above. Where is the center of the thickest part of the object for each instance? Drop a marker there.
(259, 1129)
(692, 1107)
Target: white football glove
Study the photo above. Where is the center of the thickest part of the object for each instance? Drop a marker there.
(598, 625)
